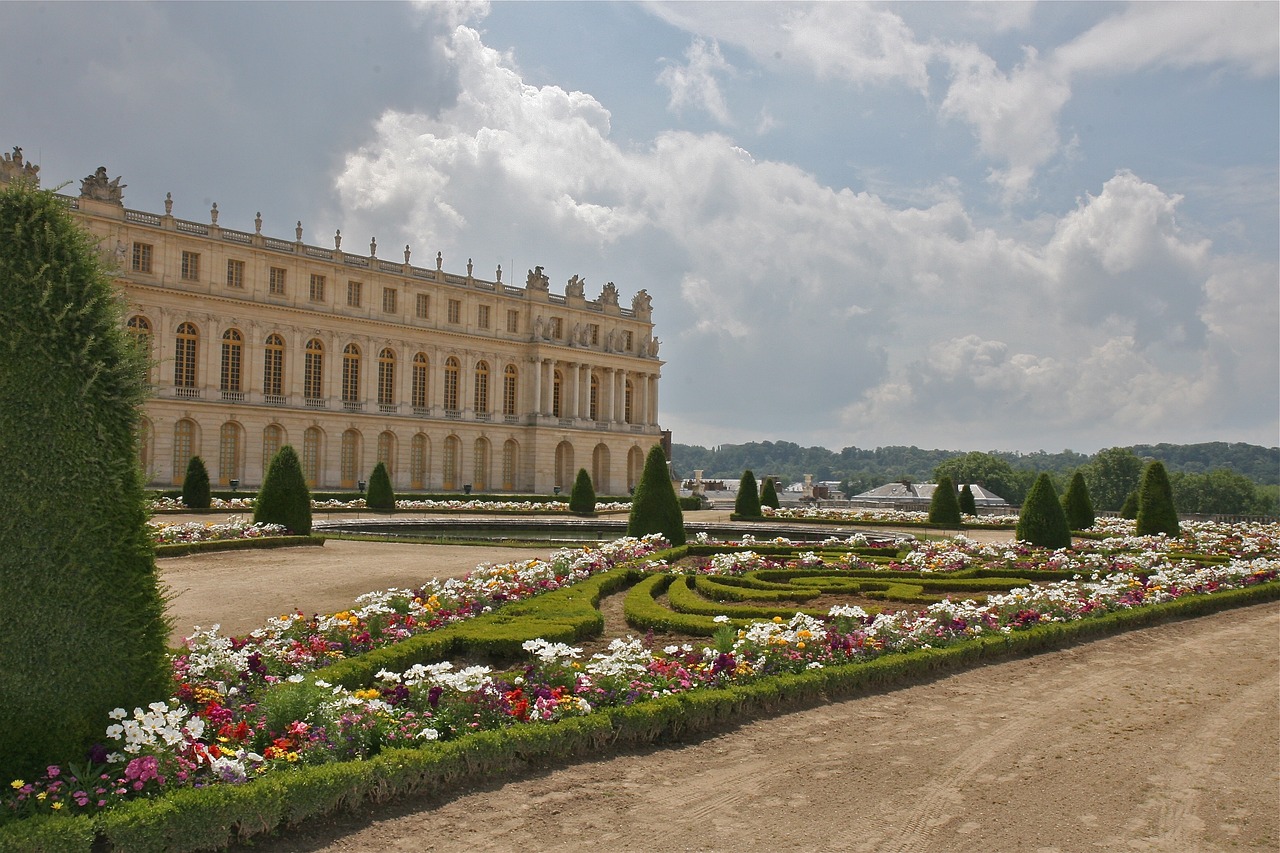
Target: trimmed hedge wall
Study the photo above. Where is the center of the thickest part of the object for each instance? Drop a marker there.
(182, 549)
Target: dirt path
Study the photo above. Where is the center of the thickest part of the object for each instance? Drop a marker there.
(1166, 739)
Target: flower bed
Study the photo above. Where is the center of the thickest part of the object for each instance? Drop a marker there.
(407, 504)
(165, 533)
(250, 707)
(836, 515)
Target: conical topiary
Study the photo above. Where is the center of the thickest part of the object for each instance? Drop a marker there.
(379, 494)
(655, 508)
(968, 504)
(944, 507)
(1076, 504)
(284, 497)
(582, 500)
(195, 485)
(1129, 509)
(1042, 521)
(1156, 513)
(84, 629)
(748, 503)
(769, 494)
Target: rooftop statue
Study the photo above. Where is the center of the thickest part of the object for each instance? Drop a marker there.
(13, 168)
(99, 186)
(641, 303)
(574, 287)
(609, 295)
(537, 280)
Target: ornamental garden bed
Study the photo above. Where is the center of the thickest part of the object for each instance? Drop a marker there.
(264, 708)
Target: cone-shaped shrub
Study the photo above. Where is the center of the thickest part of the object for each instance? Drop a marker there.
(655, 508)
(1042, 521)
(748, 503)
(769, 494)
(380, 494)
(1156, 513)
(284, 497)
(195, 485)
(1076, 504)
(582, 500)
(944, 508)
(84, 629)
(1129, 509)
(968, 505)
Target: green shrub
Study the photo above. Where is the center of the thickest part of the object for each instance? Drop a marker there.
(748, 503)
(84, 629)
(1042, 521)
(1156, 513)
(582, 500)
(654, 506)
(944, 508)
(968, 506)
(1077, 505)
(769, 494)
(195, 485)
(1129, 509)
(284, 498)
(380, 494)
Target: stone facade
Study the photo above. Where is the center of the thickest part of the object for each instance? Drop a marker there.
(451, 380)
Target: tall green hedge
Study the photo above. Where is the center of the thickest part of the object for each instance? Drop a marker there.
(747, 504)
(1156, 513)
(195, 485)
(84, 629)
(1077, 505)
(944, 507)
(380, 495)
(654, 506)
(284, 497)
(968, 504)
(582, 500)
(1042, 521)
(769, 494)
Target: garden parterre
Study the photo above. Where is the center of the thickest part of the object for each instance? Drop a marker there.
(405, 504)
(244, 707)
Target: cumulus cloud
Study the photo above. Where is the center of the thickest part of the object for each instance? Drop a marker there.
(693, 85)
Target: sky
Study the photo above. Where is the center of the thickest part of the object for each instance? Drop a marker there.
(987, 226)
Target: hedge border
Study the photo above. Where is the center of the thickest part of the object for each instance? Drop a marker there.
(214, 817)
(183, 549)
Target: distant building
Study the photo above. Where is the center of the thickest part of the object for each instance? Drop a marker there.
(915, 494)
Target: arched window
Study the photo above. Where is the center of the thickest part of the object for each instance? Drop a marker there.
(351, 374)
(451, 368)
(232, 357)
(184, 444)
(144, 446)
(229, 453)
(350, 469)
(481, 404)
(635, 465)
(311, 456)
(140, 328)
(313, 371)
(557, 393)
(593, 404)
(627, 398)
(386, 378)
(186, 341)
(272, 441)
(273, 366)
(510, 461)
(509, 387)
(480, 466)
(449, 464)
(419, 391)
(564, 465)
(600, 469)
(419, 461)
(387, 452)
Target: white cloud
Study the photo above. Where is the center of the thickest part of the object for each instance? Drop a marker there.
(694, 85)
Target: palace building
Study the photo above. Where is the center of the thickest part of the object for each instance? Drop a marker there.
(452, 381)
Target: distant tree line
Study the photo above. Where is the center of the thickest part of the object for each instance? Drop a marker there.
(1211, 478)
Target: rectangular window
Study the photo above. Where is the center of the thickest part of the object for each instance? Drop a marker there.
(482, 317)
(275, 281)
(235, 274)
(626, 341)
(353, 294)
(455, 311)
(190, 266)
(317, 288)
(388, 300)
(424, 306)
(142, 257)
(513, 321)
(557, 327)
(595, 334)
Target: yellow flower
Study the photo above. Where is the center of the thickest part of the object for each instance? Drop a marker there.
(16, 783)
(56, 806)
(800, 645)
(777, 620)
(291, 757)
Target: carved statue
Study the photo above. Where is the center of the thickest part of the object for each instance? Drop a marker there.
(168, 204)
(653, 347)
(13, 168)
(439, 260)
(537, 328)
(99, 186)
(536, 280)
(213, 214)
(641, 303)
(297, 231)
(574, 287)
(337, 239)
(373, 247)
(609, 296)
(407, 253)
